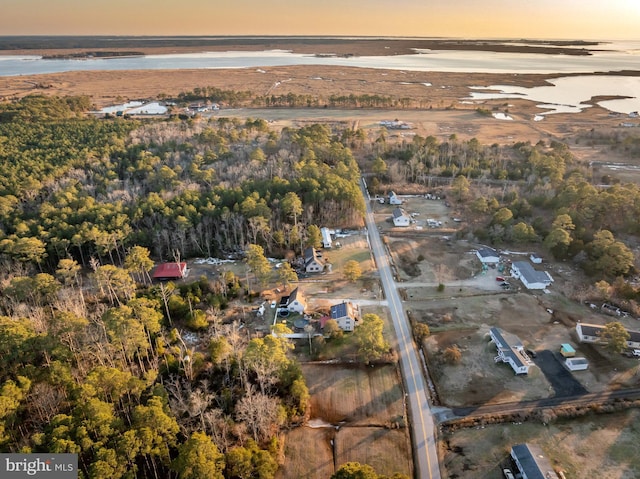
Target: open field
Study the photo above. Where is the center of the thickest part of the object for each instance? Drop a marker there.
(441, 110)
(603, 446)
(358, 414)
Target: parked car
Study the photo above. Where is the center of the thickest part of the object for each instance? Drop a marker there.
(508, 474)
(499, 278)
(531, 353)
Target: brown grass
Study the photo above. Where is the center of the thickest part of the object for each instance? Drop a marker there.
(386, 450)
(366, 407)
(356, 395)
(440, 112)
(603, 446)
(309, 454)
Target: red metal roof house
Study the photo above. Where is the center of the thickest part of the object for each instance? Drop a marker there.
(167, 271)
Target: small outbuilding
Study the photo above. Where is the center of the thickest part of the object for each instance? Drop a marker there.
(567, 350)
(170, 271)
(576, 364)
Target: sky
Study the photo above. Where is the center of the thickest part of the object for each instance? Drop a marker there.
(543, 19)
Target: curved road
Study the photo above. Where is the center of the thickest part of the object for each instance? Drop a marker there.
(421, 419)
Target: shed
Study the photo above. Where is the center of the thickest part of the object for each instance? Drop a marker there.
(169, 271)
(567, 350)
(576, 364)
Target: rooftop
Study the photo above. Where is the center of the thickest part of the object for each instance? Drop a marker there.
(487, 252)
(533, 462)
(170, 270)
(530, 274)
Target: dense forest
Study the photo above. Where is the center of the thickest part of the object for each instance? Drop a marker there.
(96, 360)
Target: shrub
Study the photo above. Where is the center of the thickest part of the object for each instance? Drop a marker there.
(452, 355)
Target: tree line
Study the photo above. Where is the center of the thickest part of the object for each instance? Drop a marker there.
(84, 188)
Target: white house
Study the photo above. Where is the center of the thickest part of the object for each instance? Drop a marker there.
(531, 278)
(488, 256)
(531, 462)
(326, 237)
(346, 315)
(576, 364)
(312, 262)
(591, 333)
(294, 302)
(510, 351)
(401, 218)
(393, 199)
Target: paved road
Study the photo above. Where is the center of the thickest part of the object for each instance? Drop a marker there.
(421, 419)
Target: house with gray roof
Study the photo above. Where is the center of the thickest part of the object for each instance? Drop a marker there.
(530, 277)
(294, 302)
(531, 462)
(488, 256)
(313, 262)
(591, 333)
(401, 218)
(510, 351)
(393, 199)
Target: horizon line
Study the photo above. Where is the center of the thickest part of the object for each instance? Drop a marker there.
(328, 36)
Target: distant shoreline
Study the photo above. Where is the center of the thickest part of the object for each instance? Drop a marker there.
(75, 47)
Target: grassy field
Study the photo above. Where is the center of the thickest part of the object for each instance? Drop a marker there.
(363, 414)
(356, 395)
(309, 454)
(386, 450)
(605, 446)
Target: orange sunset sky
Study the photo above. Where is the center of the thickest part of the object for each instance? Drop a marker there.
(571, 19)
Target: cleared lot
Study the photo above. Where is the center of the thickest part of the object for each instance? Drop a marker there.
(358, 414)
